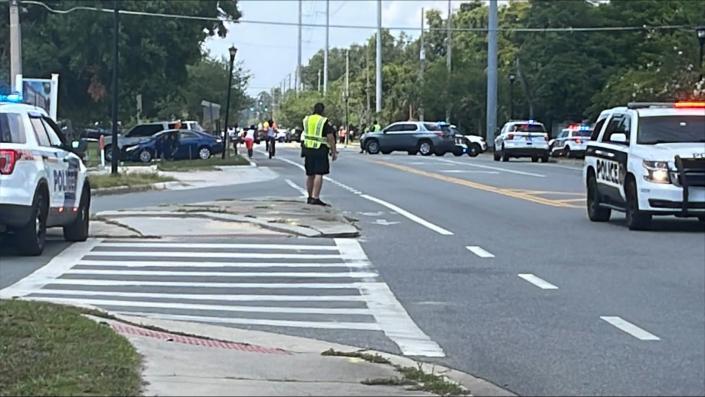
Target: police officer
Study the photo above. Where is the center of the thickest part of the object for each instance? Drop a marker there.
(318, 143)
(376, 127)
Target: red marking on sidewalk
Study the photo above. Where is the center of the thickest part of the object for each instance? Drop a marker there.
(125, 329)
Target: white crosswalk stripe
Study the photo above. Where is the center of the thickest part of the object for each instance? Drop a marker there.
(328, 285)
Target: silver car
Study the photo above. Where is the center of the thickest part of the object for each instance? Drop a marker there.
(412, 137)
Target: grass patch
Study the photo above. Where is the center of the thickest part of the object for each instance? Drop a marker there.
(394, 381)
(431, 382)
(52, 350)
(122, 179)
(201, 165)
(373, 358)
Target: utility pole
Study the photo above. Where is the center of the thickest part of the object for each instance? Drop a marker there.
(289, 81)
(347, 94)
(367, 84)
(449, 57)
(15, 43)
(325, 52)
(115, 148)
(319, 80)
(422, 58)
(298, 63)
(492, 73)
(378, 61)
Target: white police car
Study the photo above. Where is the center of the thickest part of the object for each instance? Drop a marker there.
(572, 141)
(647, 159)
(522, 139)
(42, 182)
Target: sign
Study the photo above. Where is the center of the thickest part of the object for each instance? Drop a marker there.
(43, 93)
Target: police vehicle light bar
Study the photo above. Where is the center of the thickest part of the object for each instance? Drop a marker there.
(676, 105)
(12, 98)
(689, 104)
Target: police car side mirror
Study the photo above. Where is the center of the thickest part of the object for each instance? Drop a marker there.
(619, 138)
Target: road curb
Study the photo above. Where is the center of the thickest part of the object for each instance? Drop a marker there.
(476, 386)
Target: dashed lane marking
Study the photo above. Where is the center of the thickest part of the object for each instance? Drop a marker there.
(630, 328)
(537, 281)
(479, 251)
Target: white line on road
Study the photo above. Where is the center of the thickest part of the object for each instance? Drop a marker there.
(539, 282)
(298, 188)
(215, 297)
(204, 255)
(230, 265)
(221, 246)
(469, 172)
(93, 282)
(630, 328)
(391, 206)
(409, 215)
(198, 306)
(494, 168)
(479, 251)
(222, 274)
(249, 321)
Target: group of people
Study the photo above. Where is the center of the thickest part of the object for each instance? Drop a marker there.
(249, 136)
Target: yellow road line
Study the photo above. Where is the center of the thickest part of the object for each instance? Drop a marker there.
(551, 192)
(478, 186)
(573, 200)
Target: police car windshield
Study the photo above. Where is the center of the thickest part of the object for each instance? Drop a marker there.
(583, 133)
(671, 129)
(528, 128)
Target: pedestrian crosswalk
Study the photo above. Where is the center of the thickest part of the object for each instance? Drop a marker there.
(328, 285)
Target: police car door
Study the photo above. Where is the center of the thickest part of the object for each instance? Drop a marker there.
(71, 164)
(53, 161)
(611, 159)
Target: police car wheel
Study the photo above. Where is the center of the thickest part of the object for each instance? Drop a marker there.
(636, 220)
(145, 156)
(566, 152)
(78, 230)
(32, 236)
(596, 213)
(473, 150)
(505, 155)
(496, 155)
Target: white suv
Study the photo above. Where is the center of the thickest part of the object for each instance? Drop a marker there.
(647, 159)
(522, 139)
(42, 182)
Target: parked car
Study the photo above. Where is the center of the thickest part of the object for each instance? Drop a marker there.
(173, 145)
(468, 143)
(147, 130)
(283, 135)
(296, 134)
(571, 142)
(412, 137)
(526, 138)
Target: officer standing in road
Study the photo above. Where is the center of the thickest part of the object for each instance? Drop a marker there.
(318, 143)
(376, 127)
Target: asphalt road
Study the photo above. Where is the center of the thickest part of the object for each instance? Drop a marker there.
(543, 302)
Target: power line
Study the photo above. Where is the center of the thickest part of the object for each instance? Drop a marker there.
(365, 27)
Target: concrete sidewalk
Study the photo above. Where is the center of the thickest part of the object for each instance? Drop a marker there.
(200, 359)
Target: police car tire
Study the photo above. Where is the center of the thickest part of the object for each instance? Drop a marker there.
(496, 155)
(636, 220)
(474, 150)
(534, 159)
(566, 152)
(78, 230)
(544, 158)
(596, 213)
(30, 241)
(505, 156)
(372, 146)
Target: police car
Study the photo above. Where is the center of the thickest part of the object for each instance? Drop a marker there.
(572, 141)
(647, 159)
(42, 182)
(522, 139)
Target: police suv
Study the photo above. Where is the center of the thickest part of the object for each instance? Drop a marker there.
(647, 159)
(522, 139)
(42, 182)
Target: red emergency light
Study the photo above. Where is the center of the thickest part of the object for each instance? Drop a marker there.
(690, 105)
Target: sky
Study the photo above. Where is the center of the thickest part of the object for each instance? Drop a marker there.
(270, 51)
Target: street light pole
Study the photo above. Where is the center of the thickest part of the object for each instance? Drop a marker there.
(700, 30)
(114, 147)
(233, 52)
(512, 78)
(15, 43)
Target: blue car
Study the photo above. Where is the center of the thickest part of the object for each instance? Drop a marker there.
(173, 145)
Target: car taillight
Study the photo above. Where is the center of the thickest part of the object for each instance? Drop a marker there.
(8, 159)
(545, 137)
(510, 137)
(578, 141)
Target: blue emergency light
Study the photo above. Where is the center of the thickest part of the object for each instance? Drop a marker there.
(11, 98)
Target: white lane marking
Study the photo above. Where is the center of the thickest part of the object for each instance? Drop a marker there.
(292, 247)
(52, 270)
(385, 222)
(296, 187)
(221, 274)
(203, 255)
(479, 251)
(218, 297)
(122, 283)
(537, 281)
(494, 168)
(389, 313)
(232, 265)
(198, 306)
(295, 164)
(409, 215)
(249, 321)
(630, 328)
(391, 206)
(469, 172)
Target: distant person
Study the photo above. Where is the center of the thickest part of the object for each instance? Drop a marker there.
(376, 127)
(271, 138)
(250, 140)
(318, 144)
(363, 129)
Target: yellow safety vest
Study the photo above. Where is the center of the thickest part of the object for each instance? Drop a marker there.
(313, 131)
(377, 128)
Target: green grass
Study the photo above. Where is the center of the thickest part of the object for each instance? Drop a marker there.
(122, 179)
(373, 358)
(52, 350)
(201, 165)
(431, 382)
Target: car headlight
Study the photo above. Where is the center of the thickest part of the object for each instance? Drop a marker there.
(657, 172)
(219, 140)
(131, 148)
